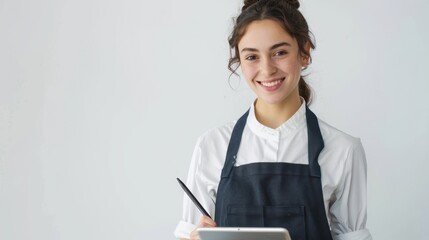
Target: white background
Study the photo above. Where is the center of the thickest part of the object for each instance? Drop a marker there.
(101, 103)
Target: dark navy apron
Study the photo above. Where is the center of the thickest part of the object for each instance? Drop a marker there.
(267, 194)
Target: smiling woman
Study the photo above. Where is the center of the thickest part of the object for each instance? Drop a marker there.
(283, 167)
(271, 63)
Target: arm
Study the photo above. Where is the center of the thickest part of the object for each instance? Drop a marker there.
(192, 218)
(348, 210)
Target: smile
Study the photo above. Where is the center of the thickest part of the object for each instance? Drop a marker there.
(271, 84)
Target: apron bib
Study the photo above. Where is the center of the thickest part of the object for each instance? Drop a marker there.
(265, 194)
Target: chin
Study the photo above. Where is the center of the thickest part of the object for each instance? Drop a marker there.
(273, 100)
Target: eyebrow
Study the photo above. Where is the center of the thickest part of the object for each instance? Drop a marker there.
(271, 48)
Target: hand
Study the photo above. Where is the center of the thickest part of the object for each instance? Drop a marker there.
(205, 222)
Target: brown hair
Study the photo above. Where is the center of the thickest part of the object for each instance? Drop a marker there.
(283, 11)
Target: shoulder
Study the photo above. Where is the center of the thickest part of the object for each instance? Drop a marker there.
(334, 137)
(341, 150)
(209, 153)
(216, 137)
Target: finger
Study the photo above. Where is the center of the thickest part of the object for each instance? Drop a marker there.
(206, 222)
(194, 235)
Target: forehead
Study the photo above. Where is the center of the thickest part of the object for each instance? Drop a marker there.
(262, 34)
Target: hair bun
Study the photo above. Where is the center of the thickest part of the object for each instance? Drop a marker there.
(293, 3)
(248, 3)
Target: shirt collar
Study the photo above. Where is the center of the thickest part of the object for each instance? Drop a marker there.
(296, 122)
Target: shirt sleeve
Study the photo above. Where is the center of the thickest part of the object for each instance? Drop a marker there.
(198, 186)
(348, 209)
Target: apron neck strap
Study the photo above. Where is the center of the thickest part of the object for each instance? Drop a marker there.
(315, 142)
(234, 144)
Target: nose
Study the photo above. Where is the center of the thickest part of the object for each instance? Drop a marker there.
(267, 67)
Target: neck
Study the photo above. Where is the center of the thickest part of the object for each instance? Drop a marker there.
(274, 115)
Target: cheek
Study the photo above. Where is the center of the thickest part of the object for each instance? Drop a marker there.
(296, 69)
(292, 67)
(248, 71)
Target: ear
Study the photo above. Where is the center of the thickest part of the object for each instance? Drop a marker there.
(306, 59)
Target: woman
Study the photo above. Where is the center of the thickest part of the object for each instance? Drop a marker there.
(283, 166)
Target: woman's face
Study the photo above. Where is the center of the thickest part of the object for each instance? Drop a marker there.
(271, 62)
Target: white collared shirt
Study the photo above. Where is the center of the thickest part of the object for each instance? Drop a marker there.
(342, 163)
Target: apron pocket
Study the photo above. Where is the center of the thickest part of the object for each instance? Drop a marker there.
(245, 216)
(290, 217)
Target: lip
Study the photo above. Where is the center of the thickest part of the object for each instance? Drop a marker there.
(266, 85)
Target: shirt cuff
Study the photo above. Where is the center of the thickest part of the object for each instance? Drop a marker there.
(362, 234)
(184, 229)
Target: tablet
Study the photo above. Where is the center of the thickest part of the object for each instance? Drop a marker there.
(249, 233)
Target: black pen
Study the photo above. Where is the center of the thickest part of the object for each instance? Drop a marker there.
(194, 199)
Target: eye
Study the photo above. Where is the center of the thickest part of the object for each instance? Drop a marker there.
(280, 53)
(251, 57)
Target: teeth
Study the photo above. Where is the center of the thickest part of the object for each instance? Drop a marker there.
(270, 84)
